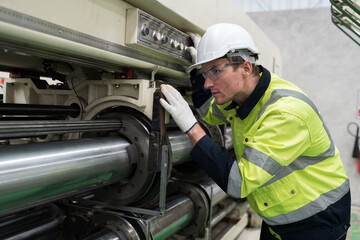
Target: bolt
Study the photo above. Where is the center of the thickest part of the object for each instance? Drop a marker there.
(152, 135)
(155, 146)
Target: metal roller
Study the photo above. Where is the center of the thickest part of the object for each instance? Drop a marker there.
(104, 234)
(184, 215)
(180, 147)
(37, 109)
(32, 174)
(36, 173)
(31, 225)
(17, 129)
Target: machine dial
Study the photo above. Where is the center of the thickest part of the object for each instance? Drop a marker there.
(174, 43)
(156, 36)
(164, 39)
(145, 31)
(181, 46)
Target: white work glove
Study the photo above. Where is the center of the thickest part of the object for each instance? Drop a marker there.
(193, 50)
(178, 108)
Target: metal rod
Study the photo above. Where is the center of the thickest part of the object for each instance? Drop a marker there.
(180, 147)
(37, 109)
(180, 211)
(16, 129)
(29, 225)
(215, 193)
(103, 234)
(37, 231)
(220, 215)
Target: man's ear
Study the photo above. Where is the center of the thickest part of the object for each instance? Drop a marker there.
(247, 66)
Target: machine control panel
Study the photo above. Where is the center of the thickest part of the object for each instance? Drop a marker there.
(150, 34)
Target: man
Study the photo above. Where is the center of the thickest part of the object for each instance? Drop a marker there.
(286, 162)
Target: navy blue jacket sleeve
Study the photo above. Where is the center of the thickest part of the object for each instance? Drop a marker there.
(214, 159)
(199, 93)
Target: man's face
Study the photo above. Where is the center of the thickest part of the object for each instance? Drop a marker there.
(224, 82)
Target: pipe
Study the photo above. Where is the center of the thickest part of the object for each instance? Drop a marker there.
(215, 193)
(180, 212)
(37, 109)
(32, 174)
(103, 234)
(34, 232)
(220, 215)
(29, 225)
(16, 129)
(180, 147)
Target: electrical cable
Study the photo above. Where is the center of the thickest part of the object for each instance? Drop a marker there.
(348, 128)
(81, 105)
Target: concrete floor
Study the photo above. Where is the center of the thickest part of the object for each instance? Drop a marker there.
(250, 234)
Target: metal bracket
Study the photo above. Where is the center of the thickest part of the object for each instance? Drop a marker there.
(157, 135)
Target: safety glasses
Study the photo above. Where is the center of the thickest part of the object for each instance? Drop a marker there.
(216, 72)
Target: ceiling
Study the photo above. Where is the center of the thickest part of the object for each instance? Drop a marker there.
(277, 5)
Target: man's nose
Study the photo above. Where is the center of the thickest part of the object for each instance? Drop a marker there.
(208, 83)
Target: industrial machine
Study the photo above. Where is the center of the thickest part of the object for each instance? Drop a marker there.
(86, 151)
(345, 14)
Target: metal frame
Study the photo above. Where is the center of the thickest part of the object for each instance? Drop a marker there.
(340, 23)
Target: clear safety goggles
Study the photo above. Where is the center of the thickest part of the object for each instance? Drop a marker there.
(216, 72)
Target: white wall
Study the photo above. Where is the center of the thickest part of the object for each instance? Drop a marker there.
(325, 63)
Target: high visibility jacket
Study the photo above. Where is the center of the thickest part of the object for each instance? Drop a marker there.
(287, 164)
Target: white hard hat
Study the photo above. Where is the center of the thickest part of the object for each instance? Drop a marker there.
(225, 39)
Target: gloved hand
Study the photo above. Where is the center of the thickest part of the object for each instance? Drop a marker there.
(178, 108)
(193, 50)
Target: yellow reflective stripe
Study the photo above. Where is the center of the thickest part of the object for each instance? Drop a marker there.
(217, 113)
(211, 113)
(314, 207)
(301, 163)
(277, 236)
(262, 160)
(281, 93)
(204, 108)
(234, 181)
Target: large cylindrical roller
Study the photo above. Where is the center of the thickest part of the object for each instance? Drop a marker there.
(33, 174)
(187, 213)
(36, 173)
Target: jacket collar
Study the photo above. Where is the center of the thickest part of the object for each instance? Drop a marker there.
(244, 110)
